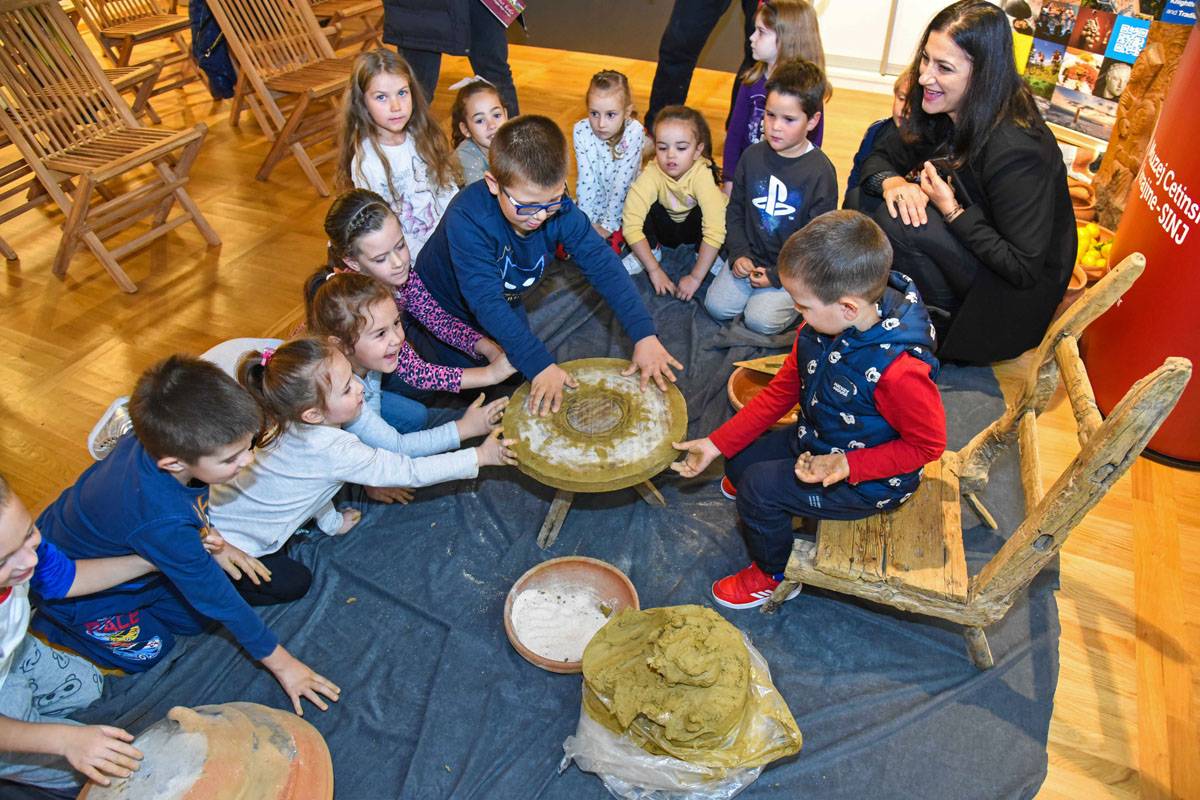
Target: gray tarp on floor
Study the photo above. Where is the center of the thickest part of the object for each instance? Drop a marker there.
(405, 614)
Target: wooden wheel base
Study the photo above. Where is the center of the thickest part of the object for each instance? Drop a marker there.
(561, 504)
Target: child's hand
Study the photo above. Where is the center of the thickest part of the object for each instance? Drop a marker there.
(700, 453)
(298, 680)
(495, 452)
(99, 750)
(688, 286)
(742, 267)
(235, 562)
(759, 278)
(390, 494)
(212, 540)
(480, 419)
(825, 470)
(659, 280)
(653, 361)
(350, 518)
(487, 348)
(500, 369)
(546, 390)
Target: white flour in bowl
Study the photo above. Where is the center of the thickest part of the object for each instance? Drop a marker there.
(558, 622)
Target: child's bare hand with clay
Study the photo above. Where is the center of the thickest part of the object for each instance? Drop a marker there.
(479, 419)
(495, 452)
(825, 470)
(759, 278)
(700, 453)
(350, 518)
(98, 750)
(390, 494)
(546, 390)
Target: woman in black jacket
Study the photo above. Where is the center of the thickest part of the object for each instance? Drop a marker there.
(422, 30)
(975, 191)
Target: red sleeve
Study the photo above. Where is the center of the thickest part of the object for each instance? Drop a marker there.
(763, 411)
(909, 400)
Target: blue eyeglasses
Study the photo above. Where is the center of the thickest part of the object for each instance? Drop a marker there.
(529, 209)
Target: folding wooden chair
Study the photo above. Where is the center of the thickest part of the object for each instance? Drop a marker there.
(288, 75)
(77, 135)
(912, 558)
(121, 25)
(348, 22)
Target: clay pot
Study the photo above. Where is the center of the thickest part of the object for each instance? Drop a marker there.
(744, 384)
(233, 751)
(1079, 279)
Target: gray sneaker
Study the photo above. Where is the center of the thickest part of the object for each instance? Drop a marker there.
(109, 429)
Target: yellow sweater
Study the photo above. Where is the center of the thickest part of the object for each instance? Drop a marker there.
(678, 197)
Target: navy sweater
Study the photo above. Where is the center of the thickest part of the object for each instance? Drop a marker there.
(125, 504)
(478, 268)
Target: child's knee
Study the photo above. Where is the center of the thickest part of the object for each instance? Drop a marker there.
(769, 317)
(720, 308)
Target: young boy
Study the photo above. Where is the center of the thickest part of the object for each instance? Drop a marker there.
(496, 239)
(40, 686)
(781, 183)
(862, 370)
(192, 427)
(887, 126)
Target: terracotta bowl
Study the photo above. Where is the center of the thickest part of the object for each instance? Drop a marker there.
(744, 384)
(608, 582)
(1079, 279)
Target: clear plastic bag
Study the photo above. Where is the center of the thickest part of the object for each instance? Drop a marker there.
(628, 771)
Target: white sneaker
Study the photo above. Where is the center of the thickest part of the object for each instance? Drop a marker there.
(632, 265)
(108, 430)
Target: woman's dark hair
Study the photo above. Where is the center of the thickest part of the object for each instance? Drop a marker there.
(995, 93)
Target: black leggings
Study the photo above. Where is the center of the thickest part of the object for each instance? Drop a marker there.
(660, 229)
(941, 266)
(289, 581)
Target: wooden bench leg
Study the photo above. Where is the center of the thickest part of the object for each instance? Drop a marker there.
(977, 648)
(650, 493)
(559, 507)
(780, 595)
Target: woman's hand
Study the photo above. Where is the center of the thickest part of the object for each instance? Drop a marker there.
(906, 200)
(940, 193)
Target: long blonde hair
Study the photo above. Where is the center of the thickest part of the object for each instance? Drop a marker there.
(797, 32)
(358, 128)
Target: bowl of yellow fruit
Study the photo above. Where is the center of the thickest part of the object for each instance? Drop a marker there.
(1095, 242)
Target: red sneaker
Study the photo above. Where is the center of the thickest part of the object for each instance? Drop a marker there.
(749, 588)
(728, 489)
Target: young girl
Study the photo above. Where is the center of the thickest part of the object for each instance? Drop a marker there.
(390, 144)
(783, 30)
(475, 117)
(365, 237)
(676, 201)
(309, 394)
(608, 153)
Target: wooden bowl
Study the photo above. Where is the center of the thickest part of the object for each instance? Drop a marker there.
(609, 584)
(744, 384)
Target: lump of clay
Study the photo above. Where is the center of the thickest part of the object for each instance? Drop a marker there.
(233, 751)
(678, 682)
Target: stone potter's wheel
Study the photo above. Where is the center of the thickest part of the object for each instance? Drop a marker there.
(607, 435)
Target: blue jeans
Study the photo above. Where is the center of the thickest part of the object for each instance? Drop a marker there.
(767, 310)
(45, 685)
(403, 413)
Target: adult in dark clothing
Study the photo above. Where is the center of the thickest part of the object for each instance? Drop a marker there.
(983, 222)
(691, 23)
(422, 31)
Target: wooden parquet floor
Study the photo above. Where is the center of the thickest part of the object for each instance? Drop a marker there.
(1126, 714)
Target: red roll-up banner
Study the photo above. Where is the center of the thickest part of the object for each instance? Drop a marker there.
(1160, 315)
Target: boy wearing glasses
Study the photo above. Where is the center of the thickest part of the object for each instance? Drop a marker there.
(496, 239)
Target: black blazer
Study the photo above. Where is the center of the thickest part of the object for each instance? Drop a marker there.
(439, 26)
(1019, 222)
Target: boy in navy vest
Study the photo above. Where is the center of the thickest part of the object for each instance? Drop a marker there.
(862, 370)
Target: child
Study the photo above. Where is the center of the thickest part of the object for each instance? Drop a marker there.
(608, 153)
(365, 237)
(499, 237)
(40, 686)
(781, 184)
(862, 370)
(783, 30)
(312, 401)
(390, 144)
(475, 117)
(886, 126)
(192, 427)
(676, 201)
